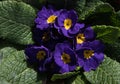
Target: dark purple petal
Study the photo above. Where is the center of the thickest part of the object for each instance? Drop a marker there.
(42, 26)
(73, 67)
(64, 69)
(64, 32)
(59, 24)
(57, 13)
(85, 45)
(42, 17)
(86, 66)
(95, 59)
(72, 55)
(78, 46)
(31, 53)
(64, 66)
(57, 57)
(93, 63)
(56, 25)
(75, 29)
(89, 34)
(61, 18)
(62, 46)
(90, 64)
(99, 57)
(41, 23)
(81, 62)
(73, 15)
(43, 13)
(42, 66)
(38, 36)
(97, 46)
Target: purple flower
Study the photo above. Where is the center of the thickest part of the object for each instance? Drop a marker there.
(66, 23)
(36, 54)
(84, 35)
(51, 66)
(47, 38)
(41, 36)
(64, 57)
(90, 55)
(46, 18)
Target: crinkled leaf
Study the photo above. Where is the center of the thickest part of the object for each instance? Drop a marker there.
(4, 43)
(95, 12)
(75, 80)
(107, 73)
(79, 6)
(4, 53)
(114, 3)
(118, 14)
(35, 3)
(116, 19)
(113, 50)
(63, 76)
(16, 21)
(64, 4)
(104, 0)
(86, 8)
(107, 34)
(4, 82)
(14, 70)
(57, 3)
(102, 15)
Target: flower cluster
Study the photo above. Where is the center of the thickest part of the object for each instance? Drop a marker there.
(63, 44)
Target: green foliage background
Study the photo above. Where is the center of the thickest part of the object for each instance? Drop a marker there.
(16, 24)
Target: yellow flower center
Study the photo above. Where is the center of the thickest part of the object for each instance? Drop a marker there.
(51, 19)
(45, 36)
(65, 58)
(67, 23)
(88, 54)
(41, 55)
(80, 38)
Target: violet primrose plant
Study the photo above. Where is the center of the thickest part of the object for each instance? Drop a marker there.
(59, 42)
(89, 53)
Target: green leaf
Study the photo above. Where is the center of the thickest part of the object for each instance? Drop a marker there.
(107, 73)
(14, 69)
(95, 12)
(58, 4)
(107, 34)
(115, 4)
(75, 80)
(35, 3)
(104, 0)
(6, 43)
(4, 82)
(118, 14)
(86, 8)
(4, 53)
(79, 5)
(63, 76)
(16, 21)
(116, 19)
(113, 50)
(102, 15)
